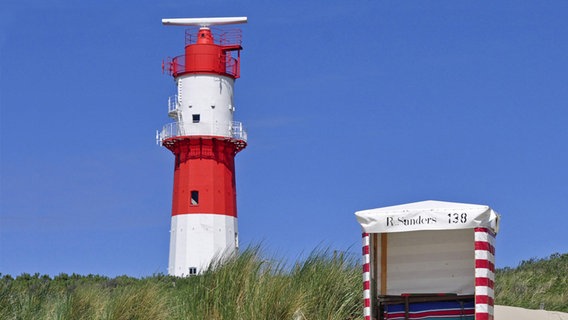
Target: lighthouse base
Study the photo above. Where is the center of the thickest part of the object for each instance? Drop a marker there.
(196, 240)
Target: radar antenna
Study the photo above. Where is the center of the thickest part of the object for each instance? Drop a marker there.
(204, 22)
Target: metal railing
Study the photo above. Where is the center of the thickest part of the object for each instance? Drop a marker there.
(232, 130)
(222, 36)
(173, 103)
(227, 64)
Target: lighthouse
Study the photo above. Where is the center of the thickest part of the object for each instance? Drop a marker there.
(204, 139)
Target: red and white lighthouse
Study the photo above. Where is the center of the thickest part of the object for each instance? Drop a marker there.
(204, 139)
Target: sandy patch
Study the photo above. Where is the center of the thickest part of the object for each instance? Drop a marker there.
(514, 313)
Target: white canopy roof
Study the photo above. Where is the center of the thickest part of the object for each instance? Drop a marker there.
(428, 215)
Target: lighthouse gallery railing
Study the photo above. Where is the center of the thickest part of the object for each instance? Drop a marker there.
(179, 129)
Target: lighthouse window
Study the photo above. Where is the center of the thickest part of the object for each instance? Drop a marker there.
(194, 197)
(196, 118)
(192, 271)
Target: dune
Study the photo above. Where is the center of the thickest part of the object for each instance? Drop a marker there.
(514, 313)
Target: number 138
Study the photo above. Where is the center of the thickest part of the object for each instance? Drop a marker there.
(457, 217)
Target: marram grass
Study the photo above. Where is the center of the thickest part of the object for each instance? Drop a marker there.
(535, 284)
(324, 286)
(242, 287)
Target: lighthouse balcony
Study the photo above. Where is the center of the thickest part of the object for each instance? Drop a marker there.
(233, 130)
(212, 56)
(223, 64)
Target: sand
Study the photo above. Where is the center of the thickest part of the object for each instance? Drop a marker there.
(514, 313)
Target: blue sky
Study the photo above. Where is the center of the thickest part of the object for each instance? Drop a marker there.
(349, 105)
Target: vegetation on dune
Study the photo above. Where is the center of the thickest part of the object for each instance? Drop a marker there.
(81, 297)
(535, 284)
(322, 286)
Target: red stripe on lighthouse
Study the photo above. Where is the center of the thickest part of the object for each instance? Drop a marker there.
(206, 167)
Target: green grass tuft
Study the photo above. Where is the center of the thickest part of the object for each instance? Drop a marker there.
(325, 285)
(535, 283)
(243, 286)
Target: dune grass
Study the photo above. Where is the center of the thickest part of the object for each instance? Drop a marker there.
(245, 286)
(324, 286)
(535, 284)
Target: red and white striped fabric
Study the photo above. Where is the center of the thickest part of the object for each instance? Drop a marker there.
(484, 273)
(366, 276)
